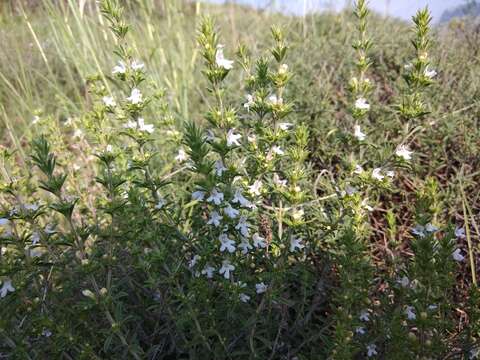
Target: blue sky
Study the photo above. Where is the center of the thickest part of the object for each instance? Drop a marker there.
(400, 8)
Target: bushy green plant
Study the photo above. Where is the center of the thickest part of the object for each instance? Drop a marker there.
(219, 238)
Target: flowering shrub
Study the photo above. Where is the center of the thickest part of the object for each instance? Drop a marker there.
(226, 247)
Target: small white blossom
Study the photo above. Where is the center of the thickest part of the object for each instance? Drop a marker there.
(460, 232)
(250, 102)
(410, 312)
(242, 226)
(404, 281)
(258, 241)
(140, 126)
(255, 188)
(109, 101)
(160, 204)
(208, 271)
(226, 268)
(362, 104)
(120, 68)
(35, 119)
(390, 174)
(6, 287)
(219, 167)
(377, 175)
(430, 228)
(278, 181)
(430, 73)
(418, 230)
(215, 219)
(193, 261)
(137, 65)
(240, 199)
(245, 246)
(364, 316)
(226, 243)
(232, 138)
(457, 255)
(181, 155)
(285, 126)
(216, 197)
(371, 350)
(220, 59)
(295, 243)
(231, 212)
(244, 297)
(261, 288)
(360, 330)
(198, 195)
(277, 150)
(135, 96)
(358, 169)
(357, 132)
(274, 100)
(282, 69)
(403, 152)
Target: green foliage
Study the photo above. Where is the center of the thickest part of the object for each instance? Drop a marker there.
(273, 203)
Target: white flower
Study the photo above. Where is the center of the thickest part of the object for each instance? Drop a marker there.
(418, 230)
(193, 261)
(161, 203)
(273, 100)
(250, 101)
(226, 243)
(137, 65)
(6, 287)
(208, 271)
(35, 119)
(282, 69)
(297, 214)
(135, 96)
(460, 232)
(242, 226)
(371, 350)
(220, 59)
(232, 138)
(376, 174)
(295, 243)
(410, 312)
(429, 73)
(431, 228)
(285, 126)
(109, 101)
(215, 218)
(364, 316)
(357, 132)
(404, 281)
(277, 150)
(390, 174)
(181, 155)
(362, 104)
(198, 195)
(219, 167)
(255, 188)
(231, 212)
(358, 169)
(245, 246)
(244, 297)
(215, 196)
(457, 255)
(360, 330)
(140, 125)
(226, 268)
(120, 68)
(403, 152)
(261, 288)
(432, 307)
(239, 198)
(258, 241)
(251, 138)
(278, 181)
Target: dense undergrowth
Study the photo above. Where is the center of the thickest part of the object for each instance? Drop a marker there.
(254, 187)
